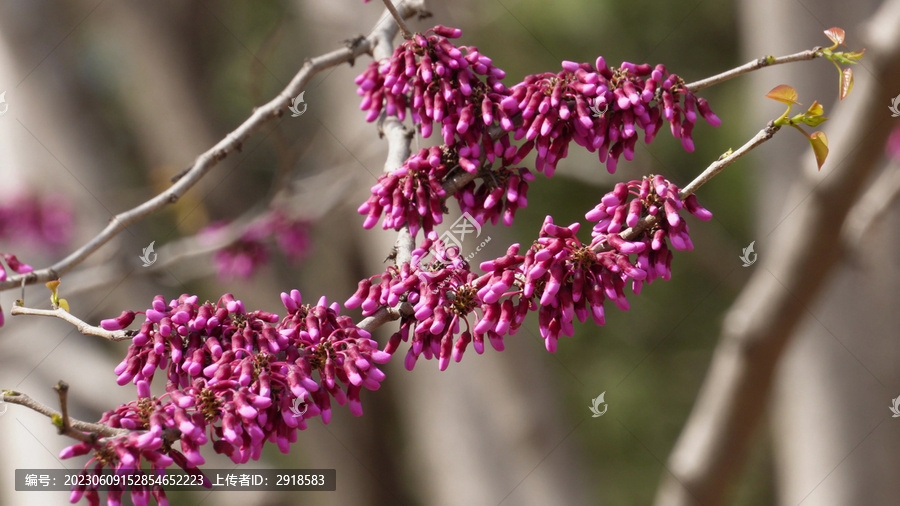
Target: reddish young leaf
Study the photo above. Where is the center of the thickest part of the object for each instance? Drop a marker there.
(783, 93)
(820, 147)
(836, 35)
(846, 82)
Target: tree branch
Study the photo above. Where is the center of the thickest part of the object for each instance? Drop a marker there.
(629, 234)
(765, 61)
(81, 326)
(877, 199)
(24, 400)
(407, 34)
(232, 142)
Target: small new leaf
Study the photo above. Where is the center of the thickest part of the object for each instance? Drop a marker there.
(846, 82)
(813, 116)
(54, 293)
(784, 94)
(855, 56)
(814, 121)
(836, 35)
(815, 109)
(57, 420)
(820, 147)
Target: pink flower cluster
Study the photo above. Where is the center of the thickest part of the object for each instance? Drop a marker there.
(235, 378)
(442, 294)
(560, 278)
(438, 83)
(601, 108)
(245, 255)
(411, 195)
(45, 222)
(500, 195)
(598, 107)
(650, 196)
(564, 279)
(14, 265)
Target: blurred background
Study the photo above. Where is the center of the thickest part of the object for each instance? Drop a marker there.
(108, 100)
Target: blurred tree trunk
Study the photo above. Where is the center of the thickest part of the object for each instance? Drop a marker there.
(830, 423)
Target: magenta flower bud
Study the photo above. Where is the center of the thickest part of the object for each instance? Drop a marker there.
(694, 208)
(15, 265)
(634, 212)
(672, 212)
(706, 112)
(658, 240)
(75, 450)
(450, 33)
(143, 389)
(629, 248)
(118, 323)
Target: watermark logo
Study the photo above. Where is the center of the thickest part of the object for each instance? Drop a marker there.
(894, 409)
(595, 407)
(146, 257)
(298, 407)
(449, 245)
(746, 256)
(3, 105)
(294, 108)
(894, 108)
(3, 407)
(596, 110)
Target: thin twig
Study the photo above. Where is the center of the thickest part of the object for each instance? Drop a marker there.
(765, 61)
(82, 327)
(24, 400)
(407, 34)
(720, 164)
(714, 168)
(206, 161)
(64, 423)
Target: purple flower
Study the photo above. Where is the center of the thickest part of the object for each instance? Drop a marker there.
(411, 195)
(46, 222)
(457, 89)
(439, 84)
(500, 195)
(244, 256)
(892, 148)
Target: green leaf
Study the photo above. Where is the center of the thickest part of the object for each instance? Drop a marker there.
(846, 82)
(814, 121)
(855, 55)
(814, 115)
(820, 147)
(783, 93)
(815, 109)
(54, 293)
(57, 420)
(843, 57)
(836, 35)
